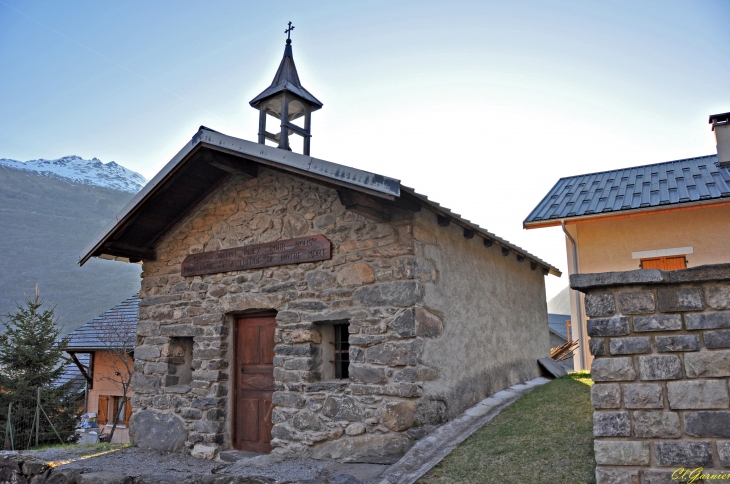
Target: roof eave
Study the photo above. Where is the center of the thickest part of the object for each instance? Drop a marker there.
(91, 349)
(437, 208)
(341, 175)
(555, 222)
(273, 91)
(147, 191)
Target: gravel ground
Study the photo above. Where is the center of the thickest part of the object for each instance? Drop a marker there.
(132, 460)
(270, 468)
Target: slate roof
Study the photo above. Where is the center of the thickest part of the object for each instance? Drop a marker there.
(71, 372)
(120, 322)
(556, 324)
(286, 79)
(640, 187)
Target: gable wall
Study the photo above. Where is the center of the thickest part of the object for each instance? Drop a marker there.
(376, 280)
(367, 282)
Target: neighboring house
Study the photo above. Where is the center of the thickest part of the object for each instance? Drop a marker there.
(667, 216)
(98, 348)
(325, 311)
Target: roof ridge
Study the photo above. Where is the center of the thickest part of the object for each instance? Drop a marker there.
(637, 166)
(637, 187)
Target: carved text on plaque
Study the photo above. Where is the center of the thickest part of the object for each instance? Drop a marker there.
(278, 253)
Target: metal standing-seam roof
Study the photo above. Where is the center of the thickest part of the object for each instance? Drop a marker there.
(119, 323)
(641, 187)
(556, 324)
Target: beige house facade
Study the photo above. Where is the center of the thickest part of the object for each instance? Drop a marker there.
(667, 216)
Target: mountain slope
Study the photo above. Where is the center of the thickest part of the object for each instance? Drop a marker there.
(89, 172)
(45, 222)
(560, 304)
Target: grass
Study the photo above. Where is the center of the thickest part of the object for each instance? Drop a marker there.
(545, 436)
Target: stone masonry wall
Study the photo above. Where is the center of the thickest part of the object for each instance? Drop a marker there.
(373, 280)
(661, 341)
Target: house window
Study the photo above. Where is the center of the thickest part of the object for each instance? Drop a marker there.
(335, 351)
(108, 405)
(665, 263)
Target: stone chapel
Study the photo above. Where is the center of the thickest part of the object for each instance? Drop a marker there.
(294, 305)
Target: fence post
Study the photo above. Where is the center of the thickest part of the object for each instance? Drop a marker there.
(9, 428)
(37, 416)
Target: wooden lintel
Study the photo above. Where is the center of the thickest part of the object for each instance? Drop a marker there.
(364, 205)
(468, 234)
(443, 221)
(505, 251)
(119, 249)
(520, 258)
(533, 265)
(488, 242)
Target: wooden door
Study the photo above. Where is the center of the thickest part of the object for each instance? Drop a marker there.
(254, 383)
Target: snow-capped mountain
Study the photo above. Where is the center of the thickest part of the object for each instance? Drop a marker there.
(90, 172)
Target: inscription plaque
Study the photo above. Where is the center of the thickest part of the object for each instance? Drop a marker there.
(278, 253)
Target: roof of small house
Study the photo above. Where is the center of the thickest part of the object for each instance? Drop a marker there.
(115, 328)
(208, 160)
(646, 187)
(71, 373)
(556, 324)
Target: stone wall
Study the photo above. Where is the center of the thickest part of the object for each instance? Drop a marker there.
(661, 342)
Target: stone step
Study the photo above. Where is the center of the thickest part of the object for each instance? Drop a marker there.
(236, 455)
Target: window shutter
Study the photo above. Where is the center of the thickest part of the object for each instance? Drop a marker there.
(127, 410)
(665, 263)
(103, 411)
(675, 262)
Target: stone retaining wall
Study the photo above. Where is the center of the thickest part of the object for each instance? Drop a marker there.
(661, 341)
(17, 468)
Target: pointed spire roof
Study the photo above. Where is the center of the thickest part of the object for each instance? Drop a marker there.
(286, 79)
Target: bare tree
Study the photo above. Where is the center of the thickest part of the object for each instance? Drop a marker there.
(117, 336)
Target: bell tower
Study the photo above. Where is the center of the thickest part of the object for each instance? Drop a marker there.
(287, 100)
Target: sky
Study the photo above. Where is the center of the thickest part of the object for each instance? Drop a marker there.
(481, 105)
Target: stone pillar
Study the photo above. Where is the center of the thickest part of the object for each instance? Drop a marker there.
(661, 342)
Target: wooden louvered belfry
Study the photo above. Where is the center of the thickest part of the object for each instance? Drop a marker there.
(287, 100)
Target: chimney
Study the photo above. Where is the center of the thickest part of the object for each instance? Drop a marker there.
(721, 126)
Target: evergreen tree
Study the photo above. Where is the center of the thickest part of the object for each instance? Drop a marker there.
(31, 358)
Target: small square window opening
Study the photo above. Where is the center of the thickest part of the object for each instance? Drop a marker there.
(342, 351)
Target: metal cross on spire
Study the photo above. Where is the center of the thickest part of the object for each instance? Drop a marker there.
(288, 32)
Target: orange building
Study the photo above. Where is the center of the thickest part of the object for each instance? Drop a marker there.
(109, 342)
(668, 216)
